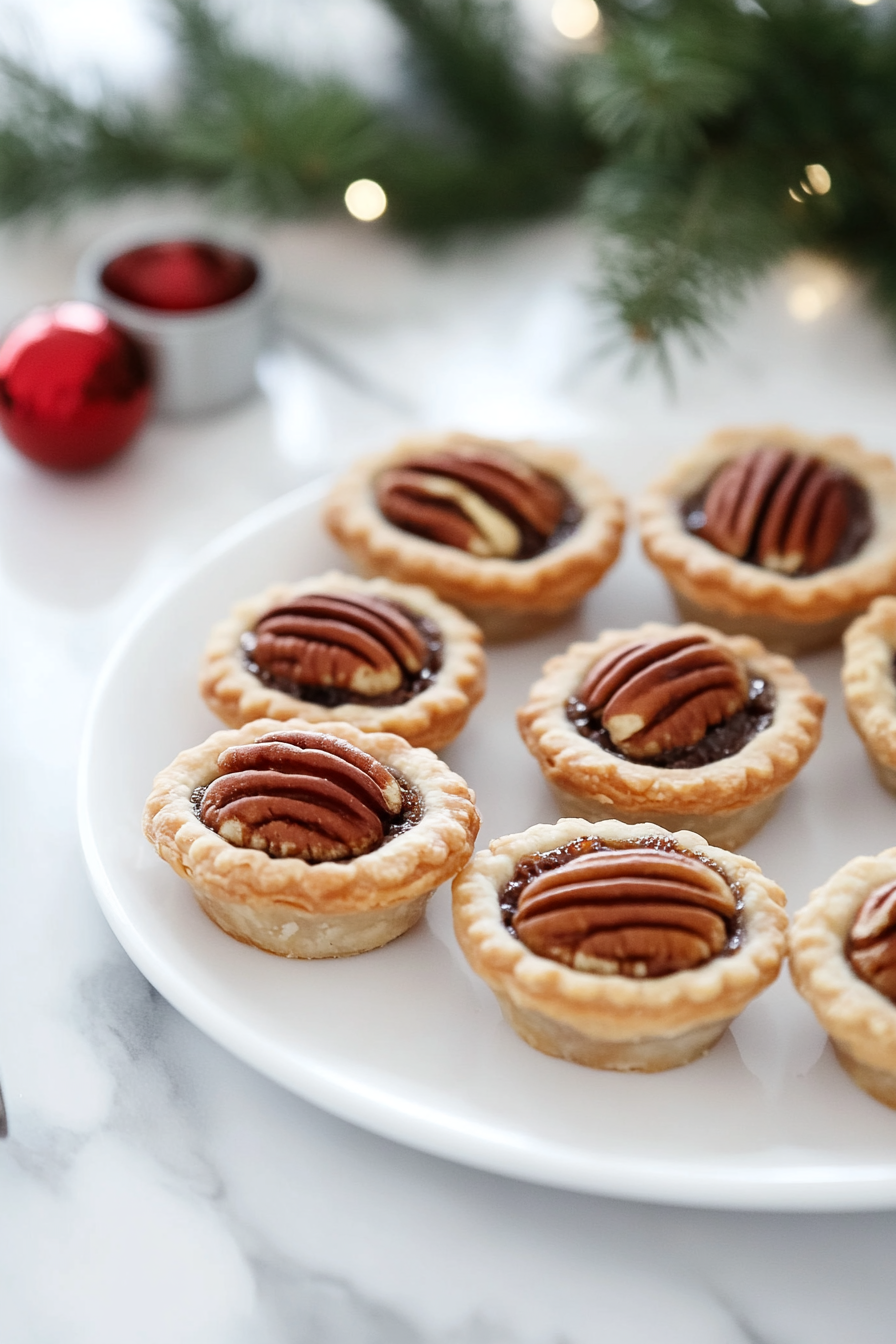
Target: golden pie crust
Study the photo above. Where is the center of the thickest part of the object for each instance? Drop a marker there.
(614, 1021)
(506, 598)
(792, 615)
(726, 801)
(431, 719)
(860, 1021)
(299, 909)
(869, 647)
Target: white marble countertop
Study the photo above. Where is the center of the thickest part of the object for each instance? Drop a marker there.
(154, 1188)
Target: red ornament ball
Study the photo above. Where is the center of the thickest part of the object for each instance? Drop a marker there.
(180, 275)
(74, 387)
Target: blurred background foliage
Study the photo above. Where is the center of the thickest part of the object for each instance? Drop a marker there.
(702, 139)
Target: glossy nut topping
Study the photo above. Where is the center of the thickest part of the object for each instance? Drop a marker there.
(481, 500)
(362, 644)
(782, 510)
(301, 795)
(871, 947)
(656, 697)
(638, 912)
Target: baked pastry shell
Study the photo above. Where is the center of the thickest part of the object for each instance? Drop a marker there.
(869, 646)
(726, 801)
(860, 1021)
(431, 719)
(508, 599)
(613, 1021)
(299, 909)
(792, 615)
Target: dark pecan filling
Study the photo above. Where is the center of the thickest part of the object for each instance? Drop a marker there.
(721, 741)
(783, 511)
(645, 909)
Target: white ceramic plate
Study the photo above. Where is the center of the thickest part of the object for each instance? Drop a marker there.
(406, 1040)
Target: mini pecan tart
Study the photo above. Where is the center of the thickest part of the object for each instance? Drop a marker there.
(384, 656)
(675, 725)
(512, 533)
(869, 650)
(775, 534)
(843, 962)
(619, 947)
(311, 840)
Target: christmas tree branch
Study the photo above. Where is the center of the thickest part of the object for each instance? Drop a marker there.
(468, 56)
(713, 114)
(506, 145)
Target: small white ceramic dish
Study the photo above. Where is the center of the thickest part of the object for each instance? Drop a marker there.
(406, 1041)
(202, 360)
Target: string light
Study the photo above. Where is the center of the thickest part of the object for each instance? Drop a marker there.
(818, 286)
(365, 199)
(806, 303)
(819, 179)
(819, 183)
(575, 18)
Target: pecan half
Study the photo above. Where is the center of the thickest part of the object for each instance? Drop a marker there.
(638, 912)
(778, 509)
(362, 644)
(482, 500)
(302, 795)
(655, 697)
(871, 947)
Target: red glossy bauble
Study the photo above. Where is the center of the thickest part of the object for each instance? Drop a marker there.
(74, 387)
(180, 276)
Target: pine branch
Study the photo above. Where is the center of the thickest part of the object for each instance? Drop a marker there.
(53, 150)
(714, 112)
(658, 85)
(267, 137)
(507, 146)
(468, 53)
(676, 251)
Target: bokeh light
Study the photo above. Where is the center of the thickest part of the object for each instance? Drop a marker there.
(365, 199)
(575, 18)
(816, 286)
(806, 303)
(819, 178)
